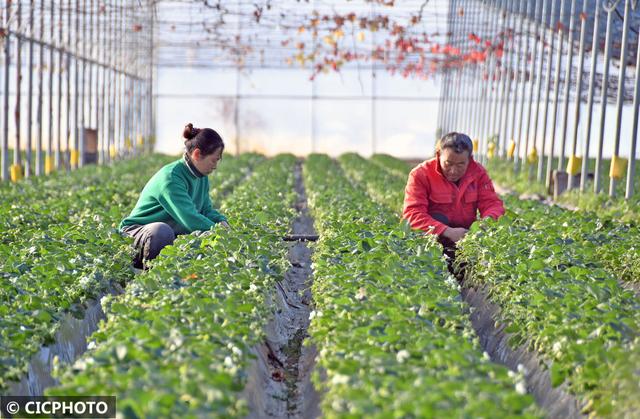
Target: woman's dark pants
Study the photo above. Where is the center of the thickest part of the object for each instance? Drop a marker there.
(148, 240)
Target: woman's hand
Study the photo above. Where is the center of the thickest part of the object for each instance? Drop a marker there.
(225, 225)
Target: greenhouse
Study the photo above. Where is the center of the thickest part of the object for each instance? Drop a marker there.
(319, 208)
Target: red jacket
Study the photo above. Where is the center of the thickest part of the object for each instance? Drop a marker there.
(429, 193)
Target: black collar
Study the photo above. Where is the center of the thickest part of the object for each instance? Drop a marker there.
(192, 168)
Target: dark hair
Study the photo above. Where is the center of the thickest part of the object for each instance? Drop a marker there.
(456, 141)
(206, 139)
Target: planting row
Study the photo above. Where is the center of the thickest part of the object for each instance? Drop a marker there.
(599, 241)
(555, 276)
(557, 300)
(178, 342)
(59, 247)
(525, 181)
(393, 335)
(59, 250)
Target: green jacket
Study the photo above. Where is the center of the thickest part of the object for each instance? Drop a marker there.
(177, 195)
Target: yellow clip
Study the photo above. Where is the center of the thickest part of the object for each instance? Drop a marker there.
(128, 144)
(16, 172)
(74, 158)
(329, 40)
(533, 155)
(140, 140)
(512, 149)
(361, 36)
(476, 145)
(48, 165)
(618, 167)
(491, 149)
(113, 152)
(574, 165)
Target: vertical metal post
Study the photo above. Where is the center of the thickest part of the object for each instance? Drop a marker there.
(537, 18)
(476, 76)
(492, 90)
(522, 79)
(90, 54)
(81, 55)
(547, 97)
(604, 96)
(567, 85)
(4, 158)
(556, 94)
(51, 76)
(68, 143)
(541, 31)
(592, 78)
(510, 74)
(449, 106)
(634, 131)
(100, 49)
(621, 78)
(373, 92)
(76, 90)
(151, 92)
(16, 149)
(60, 70)
(467, 113)
(29, 145)
(111, 86)
(39, 103)
(516, 71)
(576, 115)
(121, 79)
(503, 80)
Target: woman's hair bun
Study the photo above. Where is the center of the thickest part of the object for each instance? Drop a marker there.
(189, 131)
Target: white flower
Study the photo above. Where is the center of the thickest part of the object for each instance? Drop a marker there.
(253, 288)
(402, 356)
(522, 369)
(521, 388)
(557, 347)
(228, 362)
(340, 379)
(486, 356)
(315, 314)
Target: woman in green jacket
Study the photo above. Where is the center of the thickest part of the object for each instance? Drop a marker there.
(176, 199)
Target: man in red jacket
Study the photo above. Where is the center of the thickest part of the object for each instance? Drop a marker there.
(444, 194)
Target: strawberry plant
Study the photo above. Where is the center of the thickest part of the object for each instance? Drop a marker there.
(178, 342)
(393, 335)
(556, 298)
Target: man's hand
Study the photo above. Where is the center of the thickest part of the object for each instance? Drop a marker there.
(225, 225)
(454, 234)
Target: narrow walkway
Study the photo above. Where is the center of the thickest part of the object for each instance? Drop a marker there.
(281, 386)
